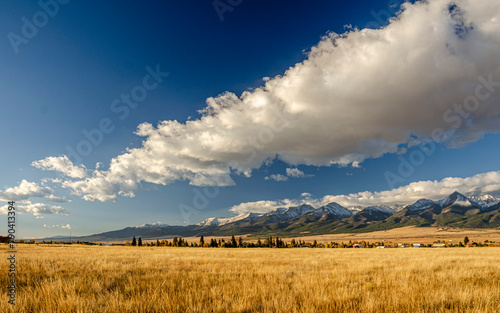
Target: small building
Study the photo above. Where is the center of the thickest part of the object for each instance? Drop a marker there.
(418, 245)
(357, 245)
(403, 245)
(383, 247)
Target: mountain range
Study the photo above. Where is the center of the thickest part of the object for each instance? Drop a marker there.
(456, 210)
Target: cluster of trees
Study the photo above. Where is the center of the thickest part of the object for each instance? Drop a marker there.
(176, 242)
(268, 242)
(277, 242)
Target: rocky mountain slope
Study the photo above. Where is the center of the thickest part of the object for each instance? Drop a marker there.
(456, 210)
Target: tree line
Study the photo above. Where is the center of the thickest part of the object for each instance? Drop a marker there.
(274, 242)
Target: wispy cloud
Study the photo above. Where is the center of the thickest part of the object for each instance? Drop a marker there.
(276, 177)
(61, 226)
(52, 198)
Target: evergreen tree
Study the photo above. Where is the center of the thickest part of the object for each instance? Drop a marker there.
(134, 242)
(315, 243)
(279, 243)
(466, 240)
(174, 242)
(259, 243)
(157, 243)
(233, 242)
(293, 242)
(240, 242)
(202, 241)
(139, 242)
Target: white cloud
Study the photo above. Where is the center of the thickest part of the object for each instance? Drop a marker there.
(52, 198)
(36, 209)
(290, 172)
(276, 177)
(306, 195)
(62, 226)
(263, 206)
(358, 95)
(295, 172)
(61, 164)
(356, 164)
(485, 183)
(25, 191)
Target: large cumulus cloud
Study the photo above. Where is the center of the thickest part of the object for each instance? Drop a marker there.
(358, 95)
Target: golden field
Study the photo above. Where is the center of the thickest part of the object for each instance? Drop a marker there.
(76, 278)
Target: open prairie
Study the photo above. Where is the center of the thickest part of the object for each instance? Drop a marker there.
(75, 278)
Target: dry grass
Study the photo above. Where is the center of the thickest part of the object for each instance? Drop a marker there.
(160, 279)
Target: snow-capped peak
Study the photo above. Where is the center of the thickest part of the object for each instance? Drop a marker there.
(455, 198)
(219, 221)
(336, 210)
(422, 204)
(484, 201)
(384, 209)
(283, 214)
(211, 221)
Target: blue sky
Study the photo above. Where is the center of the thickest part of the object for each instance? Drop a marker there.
(352, 114)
